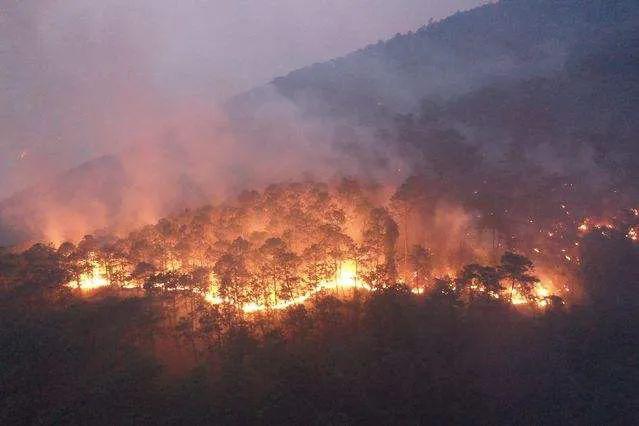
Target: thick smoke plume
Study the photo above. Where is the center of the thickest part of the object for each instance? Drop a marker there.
(132, 87)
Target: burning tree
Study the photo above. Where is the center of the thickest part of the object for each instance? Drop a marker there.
(517, 270)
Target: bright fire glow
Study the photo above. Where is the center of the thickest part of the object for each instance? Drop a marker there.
(541, 292)
(590, 223)
(345, 278)
(93, 279)
(173, 265)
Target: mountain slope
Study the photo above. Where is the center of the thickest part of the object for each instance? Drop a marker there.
(509, 40)
(591, 104)
(558, 80)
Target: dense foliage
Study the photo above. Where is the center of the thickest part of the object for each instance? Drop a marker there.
(458, 350)
(390, 357)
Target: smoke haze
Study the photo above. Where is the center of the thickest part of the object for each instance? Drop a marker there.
(80, 79)
(136, 88)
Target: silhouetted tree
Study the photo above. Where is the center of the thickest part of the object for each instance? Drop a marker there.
(421, 263)
(517, 269)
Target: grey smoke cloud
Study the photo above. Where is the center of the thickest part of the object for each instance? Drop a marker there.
(80, 78)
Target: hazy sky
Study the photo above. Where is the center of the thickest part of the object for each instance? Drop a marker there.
(79, 77)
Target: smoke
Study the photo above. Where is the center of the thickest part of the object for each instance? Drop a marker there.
(135, 87)
(78, 77)
(180, 155)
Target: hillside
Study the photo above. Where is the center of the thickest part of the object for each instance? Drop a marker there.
(509, 40)
(442, 228)
(554, 81)
(581, 119)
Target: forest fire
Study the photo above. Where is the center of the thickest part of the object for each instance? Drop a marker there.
(280, 248)
(540, 296)
(203, 222)
(92, 279)
(604, 226)
(345, 279)
(271, 250)
(589, 224)
(300, 261)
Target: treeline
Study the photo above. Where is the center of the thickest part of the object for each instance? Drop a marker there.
(460, 352)
(386, 357)
(283, 242)
(280, 244)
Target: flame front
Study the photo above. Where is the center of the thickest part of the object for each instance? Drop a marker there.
(540, 293)
(345, 278)
(93, 279)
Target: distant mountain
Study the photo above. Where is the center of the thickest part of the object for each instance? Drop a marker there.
(506, 41)
(592, 103)
(555, 80)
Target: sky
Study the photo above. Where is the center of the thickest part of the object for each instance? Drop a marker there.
(81, 78)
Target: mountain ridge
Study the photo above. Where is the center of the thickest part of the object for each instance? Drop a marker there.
(511, 73)
(508, 39)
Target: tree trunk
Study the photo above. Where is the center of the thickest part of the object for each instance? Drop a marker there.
(494, 232)
(405, 246)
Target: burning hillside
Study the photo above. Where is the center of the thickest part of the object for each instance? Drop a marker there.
(270, 250)
(439, 228)
(315, 279)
